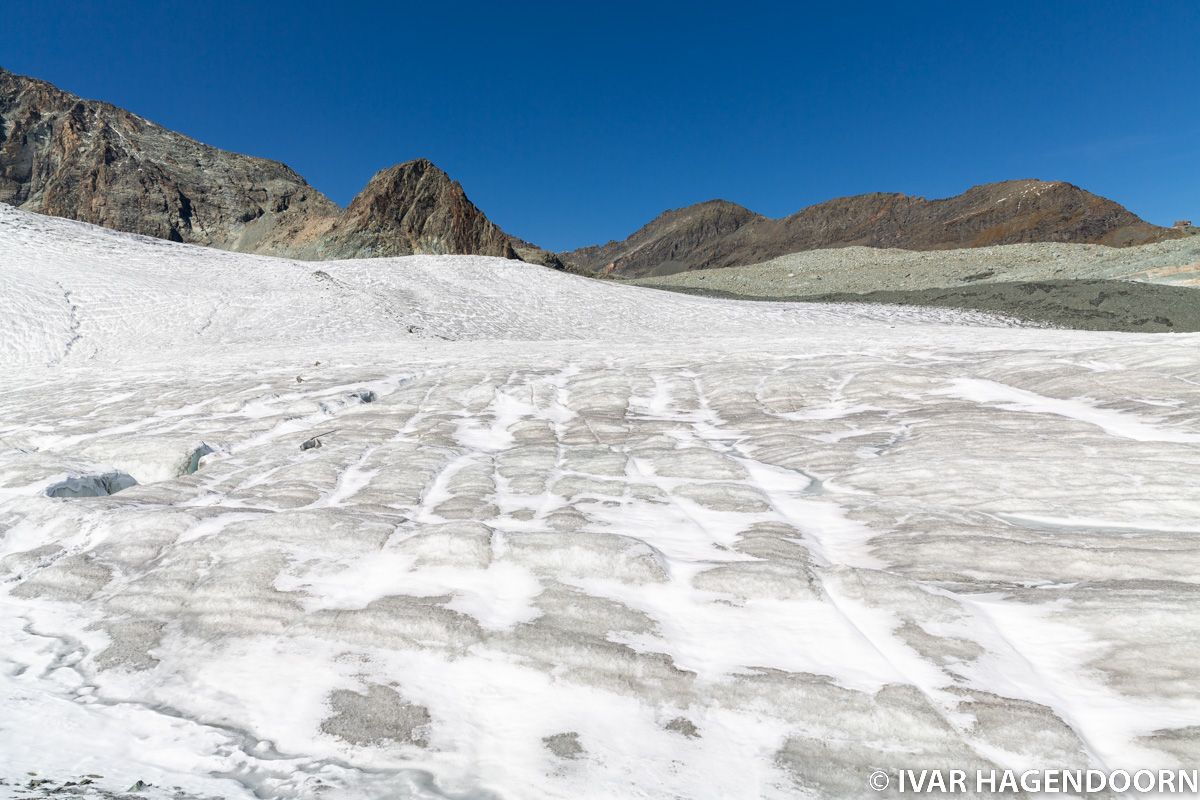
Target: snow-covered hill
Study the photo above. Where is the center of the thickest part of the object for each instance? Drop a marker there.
(76, 293)
(570, 539)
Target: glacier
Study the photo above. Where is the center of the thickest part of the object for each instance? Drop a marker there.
(564, 538)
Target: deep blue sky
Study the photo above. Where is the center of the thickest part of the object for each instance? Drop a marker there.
(573, 123)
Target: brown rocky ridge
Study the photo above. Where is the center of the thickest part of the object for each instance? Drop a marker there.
(91, 161)
(721, 234)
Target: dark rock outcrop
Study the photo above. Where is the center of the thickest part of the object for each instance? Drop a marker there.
(719, 234)
(100, 484)
(536, 255)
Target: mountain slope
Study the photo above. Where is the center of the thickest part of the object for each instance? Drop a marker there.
(1009, 212)
(94, 162)
(91, 161)
(670, 238)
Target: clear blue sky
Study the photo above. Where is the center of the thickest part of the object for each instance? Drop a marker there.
(573, 123)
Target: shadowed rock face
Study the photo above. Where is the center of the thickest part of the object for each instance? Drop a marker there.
(91, 161)
(721, 234)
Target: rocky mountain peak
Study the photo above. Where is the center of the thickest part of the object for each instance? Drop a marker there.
(414, 207)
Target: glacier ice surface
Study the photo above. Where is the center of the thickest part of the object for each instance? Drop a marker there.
(568, 538)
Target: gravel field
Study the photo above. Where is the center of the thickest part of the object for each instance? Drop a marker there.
(868, 269)
(1147, 289)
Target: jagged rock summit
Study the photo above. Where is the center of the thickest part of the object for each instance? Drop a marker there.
(412, 207)
(91, 161)
(722, 234)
